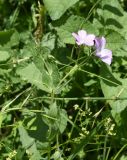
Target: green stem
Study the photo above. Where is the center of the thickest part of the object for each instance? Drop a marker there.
(82, 98)
(7, 105)
(99, 77)
(116, 156)
(69, 73)
(49, 150)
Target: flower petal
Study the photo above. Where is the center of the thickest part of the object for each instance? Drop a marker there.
(100, 43)
(89, 40)
(82, 34)
(76, 36)
(107, 60)
(83, 38)
(105, 55)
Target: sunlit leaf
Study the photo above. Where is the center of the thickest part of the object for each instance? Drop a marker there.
(4, 55)
(57, 8)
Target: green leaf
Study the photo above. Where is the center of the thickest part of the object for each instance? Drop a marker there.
(43, 74)
(32, 74)
(14, 39)
(9, 38)
(116, 42)
(37, 128)
(111, 16)
(26, 140)
(49, 70)
(62, 122)
(123, 157)
(113, 91)
(60, 115)
(118, 107)
(57, 8)
(5, 36)
(4, 55)
(29, 144)
(48, 41)
(52, 114)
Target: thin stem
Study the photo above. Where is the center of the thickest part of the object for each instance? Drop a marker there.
(69, 73)
(105, 143)
(49, 150)
(109, 149)
(82, 98)
(7, 105)
(116, 156)
(99, 76)
(89, 14)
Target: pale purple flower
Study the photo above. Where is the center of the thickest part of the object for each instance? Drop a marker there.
(104, 54)
(83, 38)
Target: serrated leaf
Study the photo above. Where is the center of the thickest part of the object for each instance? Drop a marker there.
(26, 140)
(43, 77)
(57, 8)
(49, 70)
(32, 74)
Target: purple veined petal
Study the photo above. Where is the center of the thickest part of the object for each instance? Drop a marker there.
(105, 55)
(100, 43)
(83, 38)
(76, 36)
(107, 60)
(89, 40)
(79, 37)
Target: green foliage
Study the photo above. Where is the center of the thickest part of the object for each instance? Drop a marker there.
(29, 144)
(58, 8)
(59, 101)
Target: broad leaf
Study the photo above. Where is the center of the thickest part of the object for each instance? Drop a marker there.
(32, 74)
(43, 74)
(57, 8)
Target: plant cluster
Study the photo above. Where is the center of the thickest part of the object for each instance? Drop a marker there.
(63, 81)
